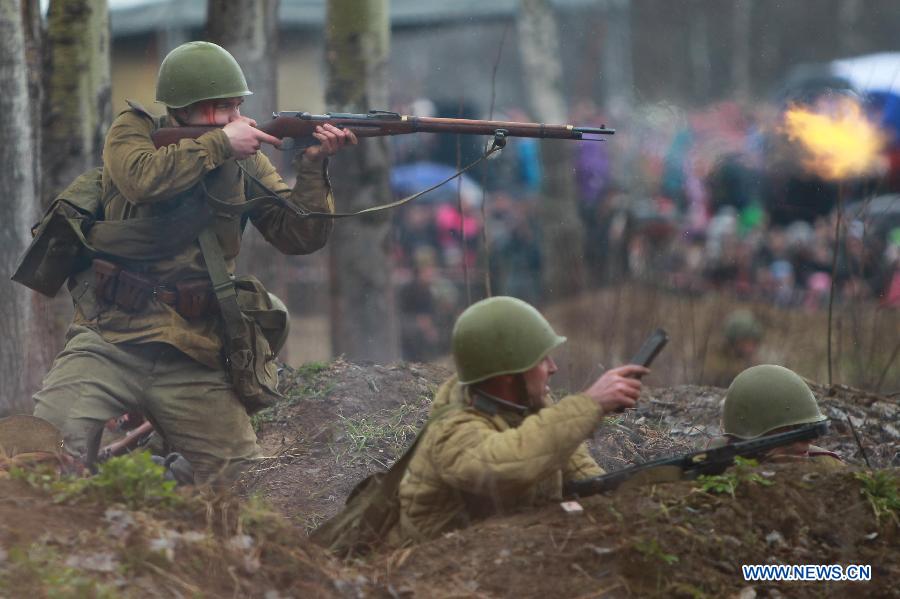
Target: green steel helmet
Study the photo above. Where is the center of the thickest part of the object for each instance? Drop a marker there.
(767, 397)
(741, 324)
(198, 71)
(500, 335)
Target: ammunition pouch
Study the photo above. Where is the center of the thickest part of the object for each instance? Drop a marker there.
(249, 357)
(57, 249)
(106, 277)
(194, 298)
(133, 291)
(130, 291)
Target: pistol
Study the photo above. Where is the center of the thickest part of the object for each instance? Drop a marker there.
(650, 349)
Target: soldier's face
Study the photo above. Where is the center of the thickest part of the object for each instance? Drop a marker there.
(536, 381)
(747, 348)
(800, 449)
(220, 111)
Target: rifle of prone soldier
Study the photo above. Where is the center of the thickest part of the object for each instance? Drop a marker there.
(692, 465)
(298, 126)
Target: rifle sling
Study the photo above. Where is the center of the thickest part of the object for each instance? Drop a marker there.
(222, 283)
(269, 195)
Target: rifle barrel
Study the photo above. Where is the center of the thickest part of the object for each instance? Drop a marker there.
(379, 124)
(707, 461)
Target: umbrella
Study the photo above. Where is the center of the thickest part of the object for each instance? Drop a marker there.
(408, 179)
(883, 212)
(873, 72)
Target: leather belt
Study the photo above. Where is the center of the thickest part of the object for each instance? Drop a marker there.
(130, 291)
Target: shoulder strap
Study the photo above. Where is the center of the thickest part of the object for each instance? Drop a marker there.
(222, 283)
(395, 473)
(270, 196)
(139, 109)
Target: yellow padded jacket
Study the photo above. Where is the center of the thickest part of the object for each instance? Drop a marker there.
(471, 463)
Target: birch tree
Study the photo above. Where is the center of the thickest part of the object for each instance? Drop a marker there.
(362, 321)
(741, 56)
(249, 30)
(563, 233)
(17, 187)
(77, 91)
(76, 115)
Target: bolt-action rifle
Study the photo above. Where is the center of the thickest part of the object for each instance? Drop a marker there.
(296, 128)
(692, 465)
(129, 442)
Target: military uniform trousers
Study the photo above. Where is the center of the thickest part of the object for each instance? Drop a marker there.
(193, 406)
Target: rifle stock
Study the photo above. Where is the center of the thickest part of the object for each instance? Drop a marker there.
(127, 443)
(692, 465)
(299, 126)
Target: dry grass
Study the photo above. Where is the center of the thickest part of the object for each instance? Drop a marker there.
(607, 326)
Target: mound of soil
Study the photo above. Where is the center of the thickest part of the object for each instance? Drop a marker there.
(671, 540)
(206, 548)
(342, 421)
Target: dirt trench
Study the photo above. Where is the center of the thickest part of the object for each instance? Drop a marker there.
(342, 421)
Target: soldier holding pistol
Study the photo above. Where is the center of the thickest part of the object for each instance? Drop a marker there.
(495, 440)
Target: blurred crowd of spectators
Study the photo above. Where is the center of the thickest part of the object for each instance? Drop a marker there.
(711, 200)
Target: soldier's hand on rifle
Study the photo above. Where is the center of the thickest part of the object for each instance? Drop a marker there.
(617, 389)
(245, 138)
(331, 139)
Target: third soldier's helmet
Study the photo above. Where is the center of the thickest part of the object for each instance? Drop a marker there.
(198, 71)
(767, 397)
(741, 324)
(500, 335)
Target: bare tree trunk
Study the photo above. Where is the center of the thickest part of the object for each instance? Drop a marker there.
(77, 113)
(77, 82)
(249, 30)
(17, 210)
(740, 58)
(698, 50)
(618, 65)
(362, 320)
(852, 39)
(563, 232)
(32, 29)
(43, 338)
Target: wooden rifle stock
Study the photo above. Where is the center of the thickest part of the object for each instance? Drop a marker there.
(127, 443)
(299, 126)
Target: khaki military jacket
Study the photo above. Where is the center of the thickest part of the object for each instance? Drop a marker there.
(471, 464)
(140, 181)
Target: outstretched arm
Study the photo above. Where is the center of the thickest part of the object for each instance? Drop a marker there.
(283, 228)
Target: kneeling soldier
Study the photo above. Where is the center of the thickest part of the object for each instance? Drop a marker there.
(494, 441)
